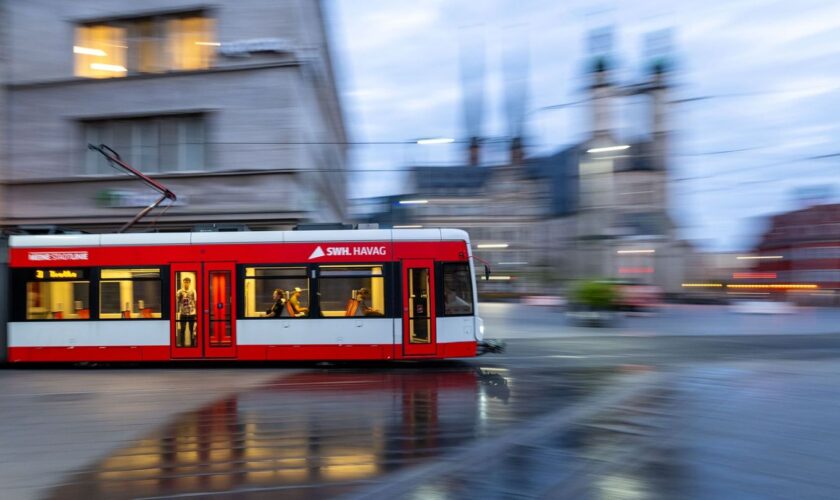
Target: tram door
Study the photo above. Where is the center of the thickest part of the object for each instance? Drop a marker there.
(203, 311)
(419, 338)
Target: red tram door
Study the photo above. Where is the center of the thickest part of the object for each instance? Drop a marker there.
(220, 316)
(419, 336)
(203, 310)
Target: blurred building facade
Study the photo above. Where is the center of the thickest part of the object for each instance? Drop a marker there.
(623, 227)
(596, 209)
(231, 104)
(801, 246)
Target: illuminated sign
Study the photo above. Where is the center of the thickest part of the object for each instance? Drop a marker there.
(51, 256)
(59, 274)
(348, 251)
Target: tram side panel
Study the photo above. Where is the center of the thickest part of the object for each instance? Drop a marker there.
(315, 339)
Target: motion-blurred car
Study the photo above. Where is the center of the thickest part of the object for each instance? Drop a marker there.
(638, 298)
(592, 317)
(544, 301)
(763, 307)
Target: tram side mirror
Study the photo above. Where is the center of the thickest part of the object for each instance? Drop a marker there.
(486, 272)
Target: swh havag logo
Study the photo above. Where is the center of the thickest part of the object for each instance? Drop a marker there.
(318, 252)
(348, 251)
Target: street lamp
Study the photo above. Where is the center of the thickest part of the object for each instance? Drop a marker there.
(608, 149)
(436, 140)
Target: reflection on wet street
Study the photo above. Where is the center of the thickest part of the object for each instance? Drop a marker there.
(485, 429)
(323, 433)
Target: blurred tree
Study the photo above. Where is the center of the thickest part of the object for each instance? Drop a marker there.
(595, 294)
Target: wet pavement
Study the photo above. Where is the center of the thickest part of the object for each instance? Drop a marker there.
(628, 417)
(471, 430)
(320, 433)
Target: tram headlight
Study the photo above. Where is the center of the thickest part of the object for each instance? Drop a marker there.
(480, 335)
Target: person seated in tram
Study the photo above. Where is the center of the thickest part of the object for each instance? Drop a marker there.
(276, 310)
(294, 307)
(363, 309)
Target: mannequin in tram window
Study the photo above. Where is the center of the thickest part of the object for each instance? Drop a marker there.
(185, 299)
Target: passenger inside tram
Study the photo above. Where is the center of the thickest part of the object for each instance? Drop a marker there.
(293, 305)
(363, 309)
(276, 310)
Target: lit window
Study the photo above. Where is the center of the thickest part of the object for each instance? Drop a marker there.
(261, 284)
(100, 51)
(352, 290)
(130, 294)
(156, 44)
(190, 43)
(58, 294)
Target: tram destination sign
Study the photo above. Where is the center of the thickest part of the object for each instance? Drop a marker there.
(53, 256)
(59, 274)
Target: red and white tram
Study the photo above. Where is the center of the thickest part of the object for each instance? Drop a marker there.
(340, 295)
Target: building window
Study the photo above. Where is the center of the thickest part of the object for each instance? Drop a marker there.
(457, 290)
(262, 282)
(58, 294)
(100, 51)
(155, 44)
(151, 144)
(351, 291)
(130, 294)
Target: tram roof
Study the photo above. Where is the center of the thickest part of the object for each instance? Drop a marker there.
(146, 239)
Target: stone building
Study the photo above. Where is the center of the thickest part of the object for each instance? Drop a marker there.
(596, 209)
(231, 104)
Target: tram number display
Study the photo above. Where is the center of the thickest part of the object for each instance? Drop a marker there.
(60, 274)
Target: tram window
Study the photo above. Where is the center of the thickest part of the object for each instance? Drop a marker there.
(357, 290)
(260, 283)
(130, 294)
(457, 290)
(64, 297)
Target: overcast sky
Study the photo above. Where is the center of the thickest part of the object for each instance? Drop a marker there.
(772, 67)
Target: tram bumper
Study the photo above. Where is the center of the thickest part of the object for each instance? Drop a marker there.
(489, 346)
